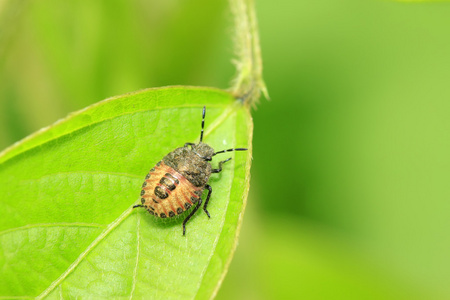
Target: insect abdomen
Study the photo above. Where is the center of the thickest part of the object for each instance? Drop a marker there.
(166, 193)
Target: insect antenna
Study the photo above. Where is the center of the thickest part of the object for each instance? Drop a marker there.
(230, 150)
(203, 123)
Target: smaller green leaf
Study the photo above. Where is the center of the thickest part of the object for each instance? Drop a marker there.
(68, 192)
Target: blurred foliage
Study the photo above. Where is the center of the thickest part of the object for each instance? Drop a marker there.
(422, 0)
(349, 196)
(58, 57)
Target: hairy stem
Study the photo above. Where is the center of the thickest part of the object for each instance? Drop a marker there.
(248, 82)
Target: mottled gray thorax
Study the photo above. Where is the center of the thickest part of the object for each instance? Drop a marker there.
(188, 163)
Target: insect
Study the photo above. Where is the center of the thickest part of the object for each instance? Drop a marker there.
(177, 182)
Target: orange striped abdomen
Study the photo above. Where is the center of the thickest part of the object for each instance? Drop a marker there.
(167, 193)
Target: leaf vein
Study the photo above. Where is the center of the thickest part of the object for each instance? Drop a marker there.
(86, 173)
(80, 258)
(138, 239)
(228, 113)
(45, 129)
(51, 225)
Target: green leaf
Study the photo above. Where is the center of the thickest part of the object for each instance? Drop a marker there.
(67, 193)
(422, 0)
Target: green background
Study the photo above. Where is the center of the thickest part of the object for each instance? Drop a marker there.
(350, 193)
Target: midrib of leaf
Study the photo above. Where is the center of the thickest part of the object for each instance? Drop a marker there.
(228, 111)
(224, 219)
(241, 215)
(218, 121)
(204, 290)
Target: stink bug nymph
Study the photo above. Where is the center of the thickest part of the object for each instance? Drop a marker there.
(177, 182)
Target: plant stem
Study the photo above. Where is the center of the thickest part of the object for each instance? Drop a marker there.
(248, 82)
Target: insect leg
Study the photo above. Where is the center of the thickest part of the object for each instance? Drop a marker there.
(138, 205)
(207, 199)
(220, 166)
(190, 215)
(189, 144)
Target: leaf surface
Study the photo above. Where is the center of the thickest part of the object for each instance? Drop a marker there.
(67, 193)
